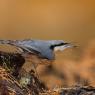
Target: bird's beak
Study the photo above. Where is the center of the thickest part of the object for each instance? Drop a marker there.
(69, 45)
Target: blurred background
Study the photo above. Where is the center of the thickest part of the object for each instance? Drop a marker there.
(70, 20)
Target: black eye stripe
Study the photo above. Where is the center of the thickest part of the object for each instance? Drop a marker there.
(61, 44)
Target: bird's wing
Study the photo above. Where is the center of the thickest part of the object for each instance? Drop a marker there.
(27, 49)
(39, 49)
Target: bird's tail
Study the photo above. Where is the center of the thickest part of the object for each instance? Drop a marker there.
(5, 41)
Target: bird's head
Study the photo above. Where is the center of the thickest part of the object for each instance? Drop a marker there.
(57, 45)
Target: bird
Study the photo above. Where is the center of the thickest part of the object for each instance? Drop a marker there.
(38, 51)
(43, 48)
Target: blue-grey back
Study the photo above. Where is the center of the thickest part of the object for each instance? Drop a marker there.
(43, 47)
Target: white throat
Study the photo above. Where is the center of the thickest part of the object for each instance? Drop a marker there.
(61, 48)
